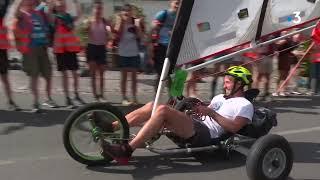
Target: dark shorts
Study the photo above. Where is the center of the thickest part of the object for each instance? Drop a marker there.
(284, 63)
(4, 62)
(159, 57)
(201, 137)
(37, 62)
(315, 70)
(67, 61)
(129, 62)
(96, 53)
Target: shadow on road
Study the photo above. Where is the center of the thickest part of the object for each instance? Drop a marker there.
(302, 179)
(152, 166)
(283, 105)
(15, 121)
(19, 120)
(306, 152)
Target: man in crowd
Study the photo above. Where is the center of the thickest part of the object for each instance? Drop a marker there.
(161, 35)
(31, 34)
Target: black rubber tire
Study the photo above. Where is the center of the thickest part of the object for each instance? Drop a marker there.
(89, 107)
(260, 148)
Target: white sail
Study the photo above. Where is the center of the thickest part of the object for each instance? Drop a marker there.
(216, 25)
(283, 14)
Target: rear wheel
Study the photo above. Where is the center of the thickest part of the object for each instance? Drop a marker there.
(82, 135)
(270, 158)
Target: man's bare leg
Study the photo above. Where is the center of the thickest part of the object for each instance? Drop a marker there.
(180, 124)
(176, 121)
(34, 89)
(137, 117)
(7, 87)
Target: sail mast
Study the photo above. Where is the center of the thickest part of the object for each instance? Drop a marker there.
(261, 20)
(178, 31)
(177, 36)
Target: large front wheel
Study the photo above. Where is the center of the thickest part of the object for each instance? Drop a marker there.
(85, 127)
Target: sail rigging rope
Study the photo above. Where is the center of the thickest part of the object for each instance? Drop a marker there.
(246, 63)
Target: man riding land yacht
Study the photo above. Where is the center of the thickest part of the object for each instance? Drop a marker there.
(227, 112)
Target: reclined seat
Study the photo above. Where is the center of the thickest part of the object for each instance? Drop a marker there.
(262, 121)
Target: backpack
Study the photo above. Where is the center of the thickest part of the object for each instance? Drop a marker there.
(263, 121)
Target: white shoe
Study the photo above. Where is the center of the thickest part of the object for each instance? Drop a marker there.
(310, 93)
(296, 93)
(282, 94)
(126, 102)
(50, 103)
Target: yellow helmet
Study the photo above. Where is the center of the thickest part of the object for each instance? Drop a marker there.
(240, 73)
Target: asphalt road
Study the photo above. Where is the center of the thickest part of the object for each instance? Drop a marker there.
(31, 147)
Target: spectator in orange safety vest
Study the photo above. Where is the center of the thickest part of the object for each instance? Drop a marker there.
(66, 45)
(315, 62)
(31, 34)
(4, 62)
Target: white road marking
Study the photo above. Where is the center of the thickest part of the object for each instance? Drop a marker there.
(6, 162)
(298, 131)
(15, 160)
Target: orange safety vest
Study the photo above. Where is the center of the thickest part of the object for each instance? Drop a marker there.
(22, 32)
(22, 37)
(315, 35)
(4, 42)
(65, 40)
(315, 58)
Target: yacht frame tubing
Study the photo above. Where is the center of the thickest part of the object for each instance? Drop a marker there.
(164, 74)
(253, 45)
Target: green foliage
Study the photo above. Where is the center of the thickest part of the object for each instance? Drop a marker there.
(82, 31)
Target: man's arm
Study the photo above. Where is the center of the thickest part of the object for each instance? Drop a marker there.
(156, 25)
(18, 12)
(227, 124)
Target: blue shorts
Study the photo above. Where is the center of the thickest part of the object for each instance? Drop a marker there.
(129, 62)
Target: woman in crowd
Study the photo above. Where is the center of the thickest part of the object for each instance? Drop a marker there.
(285, 59)
(98, 32)
(128, 36)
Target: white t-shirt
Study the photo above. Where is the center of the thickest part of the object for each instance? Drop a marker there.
(228, 108)
(128, 45)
